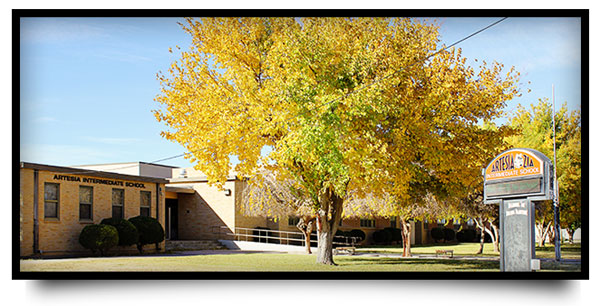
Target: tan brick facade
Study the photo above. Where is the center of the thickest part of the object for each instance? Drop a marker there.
(61, 235)
(209, 212)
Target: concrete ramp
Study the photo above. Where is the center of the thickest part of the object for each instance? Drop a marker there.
(261, 246)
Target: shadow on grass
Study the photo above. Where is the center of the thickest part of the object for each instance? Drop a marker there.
(451, 264)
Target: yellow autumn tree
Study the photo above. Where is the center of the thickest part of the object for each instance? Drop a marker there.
(345, 104)
(535, 131)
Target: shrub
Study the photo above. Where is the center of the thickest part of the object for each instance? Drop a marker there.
(466, 235)
(149, 229)
(396, 234)
(340, 236)
(128, 233)
(449, 234)
(437, 234)
(382, 237)
(99, 237)
(487, 238)
(358, 233)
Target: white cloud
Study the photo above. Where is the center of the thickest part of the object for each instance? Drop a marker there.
(123, 57)
(45, 120)
(58, 30)
(64, 154)
(113, 141)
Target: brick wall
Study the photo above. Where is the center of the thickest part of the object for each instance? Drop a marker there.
(200, 214)
(61, 235)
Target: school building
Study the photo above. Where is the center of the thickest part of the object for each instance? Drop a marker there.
(57, 202)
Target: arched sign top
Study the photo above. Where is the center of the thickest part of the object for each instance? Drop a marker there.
(516, 163)
(518, 173)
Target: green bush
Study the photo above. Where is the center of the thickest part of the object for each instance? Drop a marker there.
(99, 237)
(128, 233)
(396, 234)
(358, 233)
(466, 235)
(340, 236)
(449, 234)
(382, 237)
(437, 234)
(149, 229)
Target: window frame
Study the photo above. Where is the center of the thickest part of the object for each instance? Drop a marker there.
(295, 219)
(394, 222)
(149, 207)
(122, 205)
(369, 223)
(56, 202)
(91, 204)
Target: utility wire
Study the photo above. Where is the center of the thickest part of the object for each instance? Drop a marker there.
(343, 96)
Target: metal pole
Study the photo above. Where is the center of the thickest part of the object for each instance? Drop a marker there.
(555, 191)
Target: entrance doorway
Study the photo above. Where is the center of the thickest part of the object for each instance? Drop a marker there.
(171, 220)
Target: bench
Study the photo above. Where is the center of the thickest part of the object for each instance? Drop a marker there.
(344, 250)
(444, 252)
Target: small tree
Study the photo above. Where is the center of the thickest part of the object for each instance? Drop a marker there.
(99, 237)
(149, 229)
(128, 233)
(271, 194)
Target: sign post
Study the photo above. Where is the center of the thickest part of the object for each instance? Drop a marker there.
(514, 180)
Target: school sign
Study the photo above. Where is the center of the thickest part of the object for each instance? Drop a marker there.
(518, 173)
(514, 180)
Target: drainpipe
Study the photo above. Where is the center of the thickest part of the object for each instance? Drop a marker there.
(36, 231)
(157, 209)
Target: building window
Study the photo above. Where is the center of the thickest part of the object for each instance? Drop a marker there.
(470, 222)
(293, 221)
(145, 197)
(51, 195)
(393, 222)
(118, 203)
(367, 223)
(86, 197)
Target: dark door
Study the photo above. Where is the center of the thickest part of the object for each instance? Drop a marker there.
(418, 232)
(171, 219)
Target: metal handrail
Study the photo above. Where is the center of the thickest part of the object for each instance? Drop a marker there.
(238, 235)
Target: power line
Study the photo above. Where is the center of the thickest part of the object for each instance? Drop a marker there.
(404, 67)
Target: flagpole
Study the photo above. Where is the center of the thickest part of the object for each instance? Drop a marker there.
(555, 191)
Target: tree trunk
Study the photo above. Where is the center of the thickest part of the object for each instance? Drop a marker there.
(479, 223)
(552, 235)
(307, 241)
(328, 218)
(493, 232)
(570, 232)
(544, 229)
(406, 229)
(306, 225)
(496, 238)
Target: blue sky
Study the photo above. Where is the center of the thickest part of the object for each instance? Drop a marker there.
(88, 84)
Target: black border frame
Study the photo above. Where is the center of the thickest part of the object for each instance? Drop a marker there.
(24, 13)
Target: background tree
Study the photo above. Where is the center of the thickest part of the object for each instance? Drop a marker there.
(344, 103)
(535, 131)
(270, 195)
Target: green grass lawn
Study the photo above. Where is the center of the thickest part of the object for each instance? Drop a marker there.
(290, 262)
(460, 249)
(568, 251)
(254, 262)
